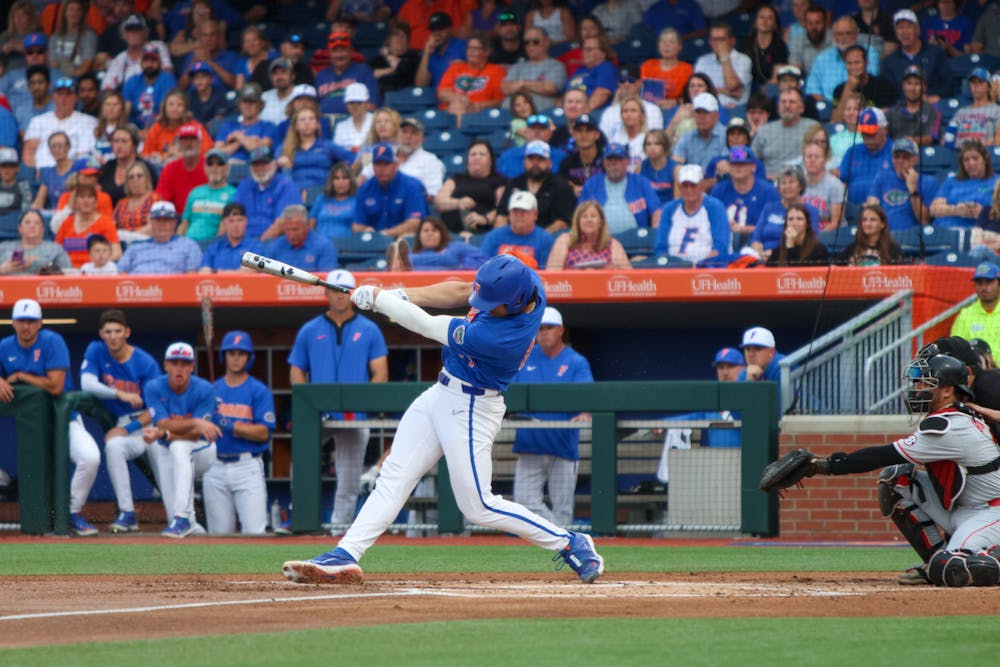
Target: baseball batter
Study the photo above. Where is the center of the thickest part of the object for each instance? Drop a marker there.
(550, 456)
(234, 483)
(115, 371)
(458, 417)
(181, 408)
(339, 346)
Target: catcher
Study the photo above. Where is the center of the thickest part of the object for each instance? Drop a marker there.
(958, 489)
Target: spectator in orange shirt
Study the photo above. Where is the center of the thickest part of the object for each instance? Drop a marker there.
(473, 84)
(82, 223)
(668, 68)
(160, 145)
(86, 176)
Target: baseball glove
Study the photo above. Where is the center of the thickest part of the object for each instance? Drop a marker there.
(788, 471)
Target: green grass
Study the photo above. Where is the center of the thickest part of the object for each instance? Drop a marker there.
(74, 557)
(643, 642)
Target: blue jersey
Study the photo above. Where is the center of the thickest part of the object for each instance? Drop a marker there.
(860, 167)
(249, 402)
(47, 353)
(662, 180)
(404, 198)
(771, 224)
(894, 196)
(195, 402)
(745, 209)
(317, 253)
(640, 197)
(567, 366)
(487, 351)
(537, 244)
(334, 217)
(130, 375)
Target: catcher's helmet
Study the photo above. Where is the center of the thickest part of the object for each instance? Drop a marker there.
(237, 340)
(953, 346)
(503, 280)
(938, 371)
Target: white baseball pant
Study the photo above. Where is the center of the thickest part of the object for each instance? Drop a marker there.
(118, 451)
(349, 461)
(969, 527)
(84, 452)
(179, 464)
(532, 472)
(235, 489)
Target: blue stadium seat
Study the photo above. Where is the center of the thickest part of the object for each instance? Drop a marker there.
(370, 34)
(446, 141)
(486, 121)
(635, 51)
(498, 140)
(637, 241)
(559, 48)
(361, 246)
(557, 115)
(693, 48)
(948, 107)
(26, 173)
(836, 240)
(995, 157)
(435, 119)
(852, 213)
(935, 160)
(412, 99)
(961, 66)
(740, 24)
(825, 110)
(8, 226)
(952, 259)
(662, 262)
(238, 171)
(935, 240)
(370, 264)
(453, 163)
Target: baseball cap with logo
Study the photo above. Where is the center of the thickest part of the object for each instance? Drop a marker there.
(151, 50)
(383, 152)
(585, 120)
(296, 38)
(507, 17)
(913, 70)
(552, 317)
(356, 92)
(905, 15)
(522, 200)
(163, 209)
(8, 155)
(261, 154)
(690, 173)
(871, 121)
(905, 145)
(986, 271)
(741, 155)
(979, 73)
(339, 39)
(757, 337)
(36, 40)
(439, 21)
(250, 93)
(341, 278)
(179, 352)
(189, 131)
(705, 102)
(26, 309)
(538, 148)
(134, 22)
(64, 83)
(729, 355)
(616, 150)
(200, 67)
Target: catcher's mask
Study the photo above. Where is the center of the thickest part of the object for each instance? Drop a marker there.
(930, 373)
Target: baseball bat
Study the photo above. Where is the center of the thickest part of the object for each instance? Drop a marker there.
(257, 262)
(208, 331)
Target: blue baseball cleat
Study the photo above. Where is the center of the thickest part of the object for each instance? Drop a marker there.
(81, 526)
(125, 523)
(581, 555)
(178, 528)
(333, 567)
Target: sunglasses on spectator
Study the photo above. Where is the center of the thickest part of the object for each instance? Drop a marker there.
(35, 52)
(628, 79)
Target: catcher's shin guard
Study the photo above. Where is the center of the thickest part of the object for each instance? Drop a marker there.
(956, 569)
(914, 523)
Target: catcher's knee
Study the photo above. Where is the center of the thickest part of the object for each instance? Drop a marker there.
(956, 569)
(913, 522)
(888, 497)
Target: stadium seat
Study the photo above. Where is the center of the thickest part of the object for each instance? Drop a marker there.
(559, 48)
(825, 110)
(238, 170)
(557, 115)
(952, 259)
(635, 52)
(836, 240)
(935, 160)
(453, 164)
(637, 241)
(961, 66)
(435, 119)
(927, 241)
(361, 246)
(852, 213)
(411, 100)
(370, 264)
(486, 121)
(740, 24)
(446, 141)
(311, 194)
(8, 226)
(370, 34)
(662, 262)
(948, 107)
(995, 157)
(693, 48)
(498, 140)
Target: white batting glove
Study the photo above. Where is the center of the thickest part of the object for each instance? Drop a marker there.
(364, 297)
(368, 479)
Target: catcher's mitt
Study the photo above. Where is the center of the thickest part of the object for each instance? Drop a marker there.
(788, 471)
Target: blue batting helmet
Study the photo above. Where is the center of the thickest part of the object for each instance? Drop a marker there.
(237, 340)
(503, 280)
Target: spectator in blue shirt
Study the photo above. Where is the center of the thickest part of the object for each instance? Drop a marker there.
(392, 203)
(763, 359)
(301, 246)
(770, 228)
(744, 194)
(511, 161)
(863, 162)
(332, 213)
(903, 193)
(224, 253)
(332, 81)
(305, 153)
(265, 193)
(144, 92)
(440, 51)
(913, 51)
(686, 16)
(209, 49)
(241, 135)
(598, 76)
(522, 237)
(628, 200)
(962, 197)
(708, 139)
(165, 251)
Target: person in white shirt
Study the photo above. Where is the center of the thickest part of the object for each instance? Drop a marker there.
(629, 84)
(79, 127)
(353, 132)
(275, 100)
(413, 160)
(730, 70)
(128, 63)
(100, 264)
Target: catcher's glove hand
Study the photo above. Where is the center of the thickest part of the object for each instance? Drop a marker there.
(788, 471)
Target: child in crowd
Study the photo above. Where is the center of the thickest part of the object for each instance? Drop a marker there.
(521, 108)
(100, 264)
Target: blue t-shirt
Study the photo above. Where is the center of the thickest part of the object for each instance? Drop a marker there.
(437, 63)
(197, 401)
(662, 180)
(225, 59)
(860, 167)
(745, 209)
(130, 375)
(604, 75)
(487, 351)
(250, 402)
(567, 366)
(311, 166)
(537, 244)
(316, 253)
(456, 255)
(331, 86)
(958, 31)
(639, 194)
(260, 128)
(381, 208)
(771, 224)
(54, 182)
(334, 217)
(221, 255)
(134, 90)
(954, 191)
(894, 196)
(265, 206)
(47, 353)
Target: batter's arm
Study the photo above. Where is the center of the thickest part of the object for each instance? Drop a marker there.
(446, 295)
(413, 317)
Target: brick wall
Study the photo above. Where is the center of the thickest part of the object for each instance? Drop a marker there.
(842, 507)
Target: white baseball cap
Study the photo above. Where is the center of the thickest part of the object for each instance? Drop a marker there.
(163, 209)
(758, 337)
(539, 148)
(26, 309)
(690, 173)
(905, 15)
(179, 352)
(552, 317)
(342, 278)
(705, 102)
(523, 201)
(356, 92)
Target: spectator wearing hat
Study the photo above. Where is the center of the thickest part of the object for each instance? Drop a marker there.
(64, 117)
(737, 134)
(280, 94)
(554, 197)
(962, 198)
(539, 127)
(472, 84)
(911, 116)
(207, 103)
(265, 193)
(83, 221)
(293, 47)
(205, 203)
(304, 96)
(391, 203)
(708, 140)
(744, 194)
(126, 64)
(226, 251)
(165, 252)
(14, 82)
(830, 67)
(507, 47)
(332, 81)
(413, 160)
(598, 76)
(144, 92)
(903, 193)
(538, 74)
(352, 132)
(628, 199)
(240, 136)
(209, 48)
(730, 70)
(629, 86)
(178, 177)
(913, 51)
(396, 64)
(780, 142)
(442, 14)
(585, 159)
(694, 226)
(980, 120)
(762, 357)
(986, 38)
(522, 236)
(161, 145)
(15, 193)
(876, 90)
(31, 253)
(22, 21)
(790, 76)
(301, 246)
(864, 161)
(982, 319)
(440, 49)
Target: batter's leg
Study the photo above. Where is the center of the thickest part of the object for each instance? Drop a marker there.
(562, 490)
(530, 472)
(83, 451)
(349, 459)
(220, 511)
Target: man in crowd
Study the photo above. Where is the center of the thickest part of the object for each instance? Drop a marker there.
(39, 99)
(225, 252)
(728, 69)
(522, 237)
(203, 210)
(540, 128)
(414, 160)
(179, 177)
(982, 319)
(209, 48)
(331, 81)
(708, 139)
(554, 197)
(439, 49)
(876, 90)
(126, 64)
(913, 51)
(239, 136)
(744, 194)
(507, 47)
(277, 97)
(144, 92)
(805, 49)
(265, 193)
(912, 116)
(165, 252)
(762, 359)
(301, 246)
(780, 142)
(585, 159)
(902, 192)
(864, 162)
(628, 200)
(694, 226)
(14, 82)
(538, 74)
(830, 68)
(391, 203)
(64, 117)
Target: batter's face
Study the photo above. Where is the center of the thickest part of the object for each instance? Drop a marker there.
(758, 356)
(178, 374)
(26, 331)
(236, 361)
(727, 372)
(115, 336)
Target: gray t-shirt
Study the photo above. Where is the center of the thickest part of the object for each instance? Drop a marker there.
(975, 123)
(822, 195)
(549, 69)
(616, 208)
(777, 145)
(37, 258)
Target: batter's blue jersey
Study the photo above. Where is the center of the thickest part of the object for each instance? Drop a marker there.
(130, 375)
(567, 366)
(47, 353)
(196, 402)
(249, 402)
(487, 351)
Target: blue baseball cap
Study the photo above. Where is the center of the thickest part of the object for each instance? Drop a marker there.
(200, 67)
(261, 154)
(741, 155)
(616, 150)
(979, 73)
(35, 40)
(729, 355)
(383, 152)
(986, 271)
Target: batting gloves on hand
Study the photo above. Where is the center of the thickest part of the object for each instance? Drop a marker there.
(364, 297)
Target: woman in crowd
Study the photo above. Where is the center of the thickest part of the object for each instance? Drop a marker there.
(468, 202)
(160, 146)
(843, 139)
(658, 166)
(124, 146)
(824, 191)
(554, 17)
(668, 68)
(588, 244)
(352, 131)
(22, 20)
(52, 180)
(433, 249)
(632, 131)
(183, 41)
(31, 254)
(680, 119)
(111, 116)
(980, 120)
(769, 232)
(257, 54)
(306, 154)
(590, 26)
(385, 127)
(765, 45)
(799, 244)
(305, 98)
(984, 239)
(332, 214)
(396, 65)
(961, 198)
(73, 44)
(82, 222)
(522, 107)
(131, 214)
(873, 244)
